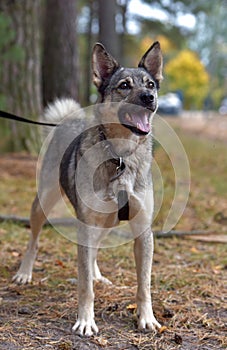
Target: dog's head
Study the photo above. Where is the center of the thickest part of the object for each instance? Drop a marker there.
(134, 89)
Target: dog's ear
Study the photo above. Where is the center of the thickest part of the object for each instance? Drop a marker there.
(152, 61)
(103, 65)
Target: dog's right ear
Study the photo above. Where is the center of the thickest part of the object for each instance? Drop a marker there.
(103, 65)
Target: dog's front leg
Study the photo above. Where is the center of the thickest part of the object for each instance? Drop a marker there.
(85, 324)
(143, 250)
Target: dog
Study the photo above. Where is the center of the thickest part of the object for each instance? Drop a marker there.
(102, 162)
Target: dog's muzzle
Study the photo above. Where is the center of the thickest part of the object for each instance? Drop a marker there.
(136, 118)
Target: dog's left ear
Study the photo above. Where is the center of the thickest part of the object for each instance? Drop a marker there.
(152, 61)
(103, 65)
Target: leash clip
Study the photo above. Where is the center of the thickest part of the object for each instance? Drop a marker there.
(119, 167)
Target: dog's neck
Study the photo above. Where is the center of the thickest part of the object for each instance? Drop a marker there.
(114, 157)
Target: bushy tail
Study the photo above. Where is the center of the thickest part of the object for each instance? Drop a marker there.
(60, 109)
(55, 112)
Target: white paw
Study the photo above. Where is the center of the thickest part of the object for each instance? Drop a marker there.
(97, 276)
(146, 319)
(85, 328)
(103, 280)
(22, 278)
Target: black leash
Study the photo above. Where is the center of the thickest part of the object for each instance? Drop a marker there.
(123, 205)
(10, 116)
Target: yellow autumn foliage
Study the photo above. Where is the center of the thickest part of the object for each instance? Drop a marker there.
(186, 73)
(166, 44)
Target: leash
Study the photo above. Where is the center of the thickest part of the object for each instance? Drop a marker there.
(123, 205)
(10, 116)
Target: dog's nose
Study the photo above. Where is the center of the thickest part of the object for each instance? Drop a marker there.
(146, 97)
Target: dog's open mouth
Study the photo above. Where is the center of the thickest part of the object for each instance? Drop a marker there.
(137, 120)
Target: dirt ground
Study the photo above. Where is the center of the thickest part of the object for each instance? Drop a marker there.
(203, 124)
(188, 283)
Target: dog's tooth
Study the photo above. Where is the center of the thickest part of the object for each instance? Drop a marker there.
(138, 125)
(128, 117)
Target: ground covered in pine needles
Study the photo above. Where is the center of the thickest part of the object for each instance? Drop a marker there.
(188, 279)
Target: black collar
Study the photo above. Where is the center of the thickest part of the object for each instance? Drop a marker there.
(114, 157)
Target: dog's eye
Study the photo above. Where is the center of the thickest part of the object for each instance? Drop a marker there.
(150, 85)
(124, 86)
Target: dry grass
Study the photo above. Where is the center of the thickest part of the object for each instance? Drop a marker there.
(189, 297)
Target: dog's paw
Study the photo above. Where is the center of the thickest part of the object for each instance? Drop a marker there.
(97, 276)
(146, 320)
(103, 280)
(85, 328)
(22, 278)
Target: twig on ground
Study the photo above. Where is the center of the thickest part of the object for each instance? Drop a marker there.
(71, 222)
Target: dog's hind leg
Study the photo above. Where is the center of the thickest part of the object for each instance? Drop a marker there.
(37, 219)
(88, 271)
(97, 276)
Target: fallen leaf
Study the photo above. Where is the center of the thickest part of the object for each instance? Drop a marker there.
(15, 254)
(59, 263)
(101, 341)
(162, 329)
(194, 250)
(131, 307)
(216, 271)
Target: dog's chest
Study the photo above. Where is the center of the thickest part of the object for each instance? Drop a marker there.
(117, 191)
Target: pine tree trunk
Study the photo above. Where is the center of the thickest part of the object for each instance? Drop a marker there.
(60, 51)
(21, 73)
(87, 64)
(107, 26)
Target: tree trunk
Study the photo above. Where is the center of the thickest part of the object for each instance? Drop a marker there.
(20, 71)
(123, 7)
(60, 51)
(86, 65)
(107, 26)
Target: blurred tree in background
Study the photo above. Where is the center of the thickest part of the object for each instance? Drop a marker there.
(173, 34)
(210, 41)
(59, 53)
(186, 73)
(58, 37)
(20, 65)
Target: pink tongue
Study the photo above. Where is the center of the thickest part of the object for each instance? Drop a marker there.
(141, 122)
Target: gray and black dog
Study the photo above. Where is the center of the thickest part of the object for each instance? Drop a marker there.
(102, 162)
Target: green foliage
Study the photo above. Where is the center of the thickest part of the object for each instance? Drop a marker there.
(7, 34)
(2, 101)
(209, 40)
(9, 51)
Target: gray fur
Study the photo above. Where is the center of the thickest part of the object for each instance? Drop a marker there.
(84, 154)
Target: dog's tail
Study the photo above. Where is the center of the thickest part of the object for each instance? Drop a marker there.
(58, 110)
